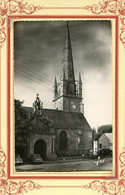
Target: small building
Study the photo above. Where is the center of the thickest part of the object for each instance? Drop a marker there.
(103, 140)
(110, 138)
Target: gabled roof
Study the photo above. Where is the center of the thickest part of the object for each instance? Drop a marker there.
(64, 119)
(103, 136)
(109, 136)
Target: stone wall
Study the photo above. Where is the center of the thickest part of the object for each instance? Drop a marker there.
(79, 142)
(47, 139)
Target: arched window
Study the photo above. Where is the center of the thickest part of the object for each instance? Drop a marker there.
(63, 140)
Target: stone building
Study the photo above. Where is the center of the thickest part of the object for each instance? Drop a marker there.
(64, 130)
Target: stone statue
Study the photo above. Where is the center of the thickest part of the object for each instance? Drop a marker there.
(37, 106)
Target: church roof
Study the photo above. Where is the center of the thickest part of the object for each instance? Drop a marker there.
(65, 119)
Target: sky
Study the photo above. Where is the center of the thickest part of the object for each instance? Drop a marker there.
(38, 52)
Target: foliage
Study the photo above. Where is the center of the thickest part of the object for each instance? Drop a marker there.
(20, 114)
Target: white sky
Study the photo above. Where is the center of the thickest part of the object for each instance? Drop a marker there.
(38, 55)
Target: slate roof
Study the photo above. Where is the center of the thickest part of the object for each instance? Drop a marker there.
(65, 119)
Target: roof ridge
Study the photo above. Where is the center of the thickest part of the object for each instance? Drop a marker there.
(55, 110)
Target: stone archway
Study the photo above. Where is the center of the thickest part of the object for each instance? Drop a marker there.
(40, 147)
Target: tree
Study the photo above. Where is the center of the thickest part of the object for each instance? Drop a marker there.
(20, 115)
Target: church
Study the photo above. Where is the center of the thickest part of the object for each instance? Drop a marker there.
(64, 130)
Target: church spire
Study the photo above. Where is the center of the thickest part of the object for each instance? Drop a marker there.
(68, 96)
(67, 57)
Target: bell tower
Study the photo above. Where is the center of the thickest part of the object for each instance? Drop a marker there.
(68, 93)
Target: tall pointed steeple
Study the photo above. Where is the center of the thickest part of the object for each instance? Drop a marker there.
(67, 95)
(67, 57)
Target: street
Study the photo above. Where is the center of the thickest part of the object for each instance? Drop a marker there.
(76, 165)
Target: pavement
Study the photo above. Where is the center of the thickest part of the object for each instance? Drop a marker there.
(69, 165)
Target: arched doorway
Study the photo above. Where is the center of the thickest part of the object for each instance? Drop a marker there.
(63, 141)
(40, 148)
